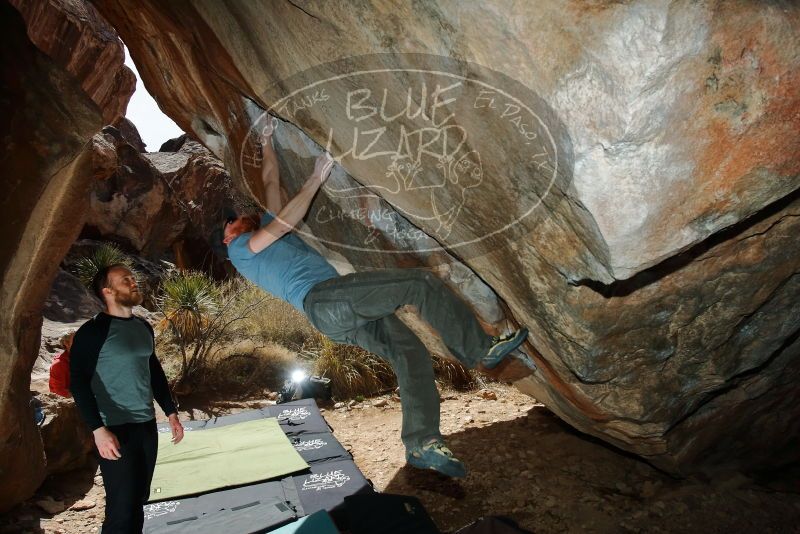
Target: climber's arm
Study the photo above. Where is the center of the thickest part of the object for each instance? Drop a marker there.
(269, 169)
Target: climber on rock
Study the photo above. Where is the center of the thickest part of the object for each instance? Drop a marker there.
(359, 308)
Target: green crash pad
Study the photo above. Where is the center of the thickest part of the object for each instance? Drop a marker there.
(231, 455)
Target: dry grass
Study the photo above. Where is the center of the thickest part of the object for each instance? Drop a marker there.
(356, 372)
(270, 338)
(352, 370)
(235, 370)
(273, 320)
(451, 373)
(246, 369)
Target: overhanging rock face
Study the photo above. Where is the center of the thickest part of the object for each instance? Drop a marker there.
(623, 176)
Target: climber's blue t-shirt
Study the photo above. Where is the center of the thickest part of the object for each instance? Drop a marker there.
(288, 268)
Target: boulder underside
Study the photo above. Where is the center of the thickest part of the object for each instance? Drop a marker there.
(623, 176)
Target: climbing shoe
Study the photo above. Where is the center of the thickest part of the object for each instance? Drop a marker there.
(435, 455)
(502, 346)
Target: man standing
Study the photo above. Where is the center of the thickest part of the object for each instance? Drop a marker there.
(359, 308)
(114, 376)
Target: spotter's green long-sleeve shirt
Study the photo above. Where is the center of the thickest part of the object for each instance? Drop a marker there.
(114, 372)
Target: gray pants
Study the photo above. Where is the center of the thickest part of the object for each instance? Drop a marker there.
(359, 309)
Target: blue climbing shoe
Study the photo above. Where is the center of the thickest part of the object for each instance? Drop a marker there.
(502, 346)
(435, 455)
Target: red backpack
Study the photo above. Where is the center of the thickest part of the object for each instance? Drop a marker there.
(59, 375)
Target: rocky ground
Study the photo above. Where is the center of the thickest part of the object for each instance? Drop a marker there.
(523, 463)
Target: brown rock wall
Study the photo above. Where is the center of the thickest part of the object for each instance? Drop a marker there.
(48, 120)
(76, 37)
(158, 204)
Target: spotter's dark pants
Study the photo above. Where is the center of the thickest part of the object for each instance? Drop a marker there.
(127, 480)
(359, 309)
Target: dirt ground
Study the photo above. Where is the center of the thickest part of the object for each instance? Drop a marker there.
(523, 463)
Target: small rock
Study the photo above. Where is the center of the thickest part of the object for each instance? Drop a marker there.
(379, 403)
(487, 394)
(50, 506)
(339, 405)
(469, 419)
(272, 395)
(83, 504)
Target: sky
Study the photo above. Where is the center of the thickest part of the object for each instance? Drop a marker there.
(153, 125)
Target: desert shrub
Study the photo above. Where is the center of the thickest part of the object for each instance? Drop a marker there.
(452, 374)
(189, 300)
(273, 320)
(199, 316)
(352, 370)
(106, 254)
(243, 369)
(233, 337)
(356, 372)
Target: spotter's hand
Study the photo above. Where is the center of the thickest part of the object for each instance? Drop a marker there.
(176, 427)
(107, 443)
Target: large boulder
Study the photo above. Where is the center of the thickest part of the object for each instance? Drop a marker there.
(132, 203)
(69, 300)
(52, 102)
(659, 143)
(159, 204)
(68, 442)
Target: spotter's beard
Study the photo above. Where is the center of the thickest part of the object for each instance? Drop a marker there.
(130, 300)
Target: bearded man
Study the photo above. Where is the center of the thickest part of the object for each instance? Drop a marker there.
(114, 376)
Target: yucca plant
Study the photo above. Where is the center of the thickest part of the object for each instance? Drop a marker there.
(197, 314)
(188, 300)
(86, 268)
